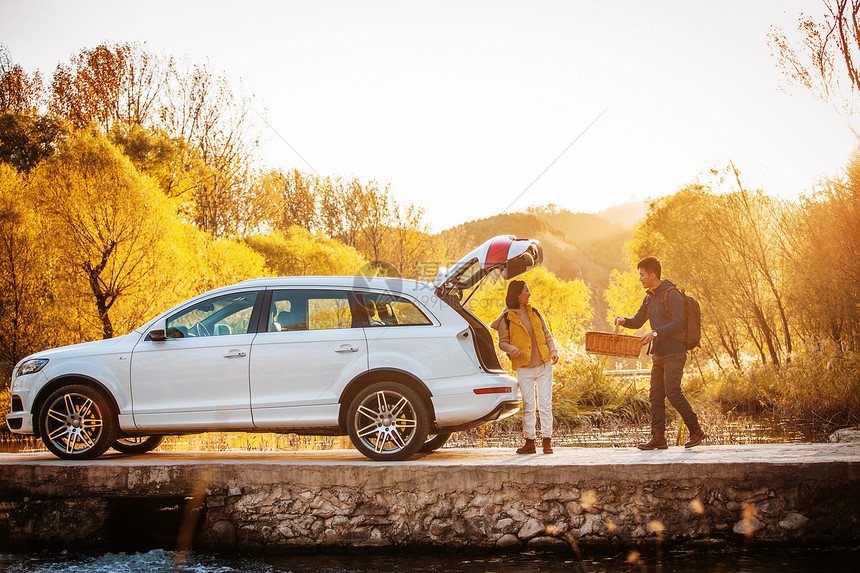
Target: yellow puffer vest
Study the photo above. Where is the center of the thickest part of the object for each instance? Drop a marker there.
(521, 339)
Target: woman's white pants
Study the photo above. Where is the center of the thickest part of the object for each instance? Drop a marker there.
(540, 378)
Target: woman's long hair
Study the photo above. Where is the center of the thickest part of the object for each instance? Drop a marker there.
(515, 288)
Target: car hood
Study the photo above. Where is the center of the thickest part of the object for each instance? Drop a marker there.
(507, 253)
(117, 344)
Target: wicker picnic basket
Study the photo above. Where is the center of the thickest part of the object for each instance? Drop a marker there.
(613, 344)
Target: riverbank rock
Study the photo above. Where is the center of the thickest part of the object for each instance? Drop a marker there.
(845, 435)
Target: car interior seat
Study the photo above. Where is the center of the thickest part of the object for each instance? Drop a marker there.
(386, 316)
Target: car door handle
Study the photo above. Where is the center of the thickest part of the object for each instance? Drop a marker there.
(235, 354)
(347, 348)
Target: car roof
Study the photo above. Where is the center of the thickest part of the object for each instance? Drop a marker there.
(406, 286)
(385, 283)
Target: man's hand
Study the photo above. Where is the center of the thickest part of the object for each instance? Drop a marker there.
(620, 321)
(516, 353)
(554, 359)
(647, 337)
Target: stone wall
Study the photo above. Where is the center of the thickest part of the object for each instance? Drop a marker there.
(255, 503)
(492, 511)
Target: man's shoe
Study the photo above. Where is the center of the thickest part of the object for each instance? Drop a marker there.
(528, 447)
(547, 445)
(657, 441)
(696, 435)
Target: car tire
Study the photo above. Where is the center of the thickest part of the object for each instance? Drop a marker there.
(137, 444)
(388, 421)
(433, 443)
(78, 422)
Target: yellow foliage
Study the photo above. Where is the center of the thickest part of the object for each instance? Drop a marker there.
(624, 295)
(298, 252)
(106, 225)
(22, 272)
(116, 251)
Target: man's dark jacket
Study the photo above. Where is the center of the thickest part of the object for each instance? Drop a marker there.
(653, 309)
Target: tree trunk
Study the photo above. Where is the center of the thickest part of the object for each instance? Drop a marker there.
(104, 300)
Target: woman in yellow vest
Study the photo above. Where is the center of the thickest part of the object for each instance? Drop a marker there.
(524, 336)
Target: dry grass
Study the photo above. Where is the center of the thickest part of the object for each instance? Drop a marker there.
(819, 386)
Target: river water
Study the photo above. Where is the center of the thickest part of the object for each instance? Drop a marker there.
(159, 561)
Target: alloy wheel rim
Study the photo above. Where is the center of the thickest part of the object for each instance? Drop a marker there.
(386, 422)
(74, 423)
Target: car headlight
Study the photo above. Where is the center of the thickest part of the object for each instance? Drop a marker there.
(32, 366)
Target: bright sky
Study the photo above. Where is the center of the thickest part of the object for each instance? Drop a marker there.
(460, 105)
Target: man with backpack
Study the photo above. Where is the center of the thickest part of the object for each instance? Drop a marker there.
(664, 308)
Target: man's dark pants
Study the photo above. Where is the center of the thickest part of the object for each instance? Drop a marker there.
(666, 373)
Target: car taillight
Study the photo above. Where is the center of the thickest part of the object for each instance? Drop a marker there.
(496, 390)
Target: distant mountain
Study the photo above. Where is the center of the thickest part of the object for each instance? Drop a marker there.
(626, 214)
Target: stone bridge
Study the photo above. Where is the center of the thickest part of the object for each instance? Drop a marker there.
(578, 499)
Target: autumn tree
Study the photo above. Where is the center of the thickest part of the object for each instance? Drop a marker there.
(107, 219)
(201, 108)
(177, 120)
(826, 59)
(822, 239)
(199, 262)
(25, 136)
(24, 292)
(26, 139)
(724, 249)
(170, 161)
(700, 262)
(19, 92)
(287, 198)
(330, 202)
(110, 84)
(410, 241)
(298, 252)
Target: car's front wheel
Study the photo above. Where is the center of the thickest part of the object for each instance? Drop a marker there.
(137, 444)
(78, 423)
(387, 421)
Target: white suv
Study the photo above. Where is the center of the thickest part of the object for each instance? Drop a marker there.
(398, 365)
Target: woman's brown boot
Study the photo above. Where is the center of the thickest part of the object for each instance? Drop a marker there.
(657, 441)
(547, 445)
(528, 447)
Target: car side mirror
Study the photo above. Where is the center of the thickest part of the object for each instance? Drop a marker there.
(157, 335)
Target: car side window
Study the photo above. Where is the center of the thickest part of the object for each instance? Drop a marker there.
(219, 316)
(390, 310)
(304, 309)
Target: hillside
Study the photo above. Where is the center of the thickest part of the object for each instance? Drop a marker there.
(626, 214)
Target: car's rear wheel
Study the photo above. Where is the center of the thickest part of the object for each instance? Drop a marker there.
(78, 423)
(433, 443)
(137, 444)
(388, 421)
